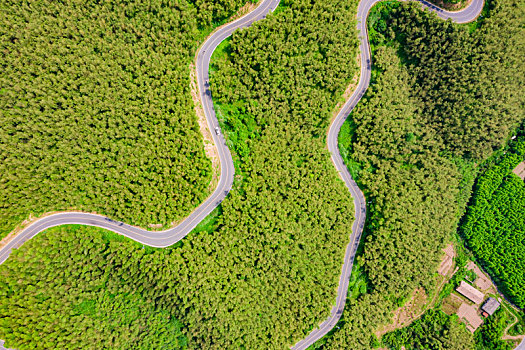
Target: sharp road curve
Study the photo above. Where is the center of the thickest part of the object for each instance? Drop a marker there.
(468, 14)
(166, 238)
(161, 239)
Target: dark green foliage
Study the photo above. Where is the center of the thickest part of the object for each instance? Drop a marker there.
(495, 223)
(488, 336)
(435, 330)
(411, 205)
(62, 290)
(470, 85)
(440, 97)
(95, 109)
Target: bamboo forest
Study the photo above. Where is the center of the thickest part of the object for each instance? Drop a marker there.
(99, 113)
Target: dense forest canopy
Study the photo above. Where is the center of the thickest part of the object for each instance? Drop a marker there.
(95, 108)
(488, 336)
(266, 271)
(495, 222)
(434, 330)
(62, 290)
(443, 97)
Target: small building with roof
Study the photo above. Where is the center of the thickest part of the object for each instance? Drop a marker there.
(490, 306)
(470, 292)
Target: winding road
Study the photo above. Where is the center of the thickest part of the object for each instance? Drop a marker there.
(162, 239)
(166, 238)
(468, 14)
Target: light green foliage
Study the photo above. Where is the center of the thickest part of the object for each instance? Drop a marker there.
(495, 223)
(95, 108)
(358, 284)
(51, 298)
(269, 270)
(434, 330)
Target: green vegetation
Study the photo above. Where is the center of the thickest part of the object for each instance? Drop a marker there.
(473, 100)
(358, 283)
(494, 225)
(450, 4)
(213, 11)
(442, 98)
(460, 262)
(488, 336)
(95, 108)
(269, 270)
(519, 327)
(52, 298)
(264, 271)
(434, 330)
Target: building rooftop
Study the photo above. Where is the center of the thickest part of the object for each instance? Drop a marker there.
(520, 170)
(490, 306)
(470, 292)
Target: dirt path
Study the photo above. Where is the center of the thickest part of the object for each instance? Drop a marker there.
(408, 313)
(507, 336)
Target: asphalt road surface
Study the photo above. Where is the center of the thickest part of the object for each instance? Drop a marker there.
(470, 13)
(169, 237)
(166, 238)
(161, 239)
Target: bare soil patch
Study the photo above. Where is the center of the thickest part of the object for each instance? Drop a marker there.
(519, 338)
(447, 261)
(469, 315)
(482, 282)
(408, 313)
(418, 302)
(520, 170)
(451, 304)
(248, 7)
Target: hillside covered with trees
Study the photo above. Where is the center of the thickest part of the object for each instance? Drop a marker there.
(265, 270)
(434, 330)
(443, 98)
(63, 290)
(95, 108)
